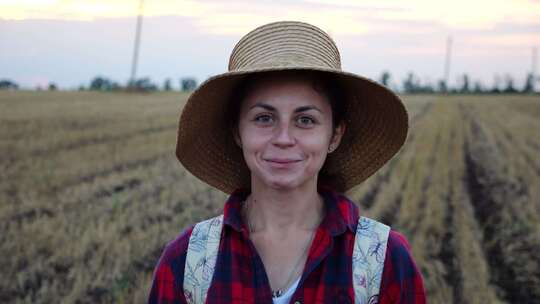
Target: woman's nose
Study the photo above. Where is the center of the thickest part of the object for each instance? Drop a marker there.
(283, 136)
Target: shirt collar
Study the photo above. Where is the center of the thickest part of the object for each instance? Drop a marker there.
(341, 213)
(232, 212)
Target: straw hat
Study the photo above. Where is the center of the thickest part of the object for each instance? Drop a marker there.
(376, 119)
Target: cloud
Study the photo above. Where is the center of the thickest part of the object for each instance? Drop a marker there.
(460, 14)
(194, 38)
(92, 9)
(337, 16)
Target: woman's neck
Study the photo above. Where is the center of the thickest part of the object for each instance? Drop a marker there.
(277, 211)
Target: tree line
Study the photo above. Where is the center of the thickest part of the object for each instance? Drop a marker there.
(102, 83)
(412, 84)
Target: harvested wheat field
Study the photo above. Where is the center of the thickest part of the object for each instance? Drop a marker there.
(90, 192)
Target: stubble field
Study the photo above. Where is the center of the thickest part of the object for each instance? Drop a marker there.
(90, 192)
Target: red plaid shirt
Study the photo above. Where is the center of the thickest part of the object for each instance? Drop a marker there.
(240, 276)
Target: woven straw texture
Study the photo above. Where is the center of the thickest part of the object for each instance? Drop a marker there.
(376, 119)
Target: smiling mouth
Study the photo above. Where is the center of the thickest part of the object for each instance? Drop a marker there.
(282, 161)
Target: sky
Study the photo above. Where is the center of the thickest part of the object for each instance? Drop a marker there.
(69, 42)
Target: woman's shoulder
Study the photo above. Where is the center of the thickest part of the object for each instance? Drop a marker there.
(397, 241)
(170, 265)
(398, 253)
(177, 247)
(169, 271)
(402, 280)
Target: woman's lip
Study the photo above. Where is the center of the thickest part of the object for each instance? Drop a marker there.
(282, 160)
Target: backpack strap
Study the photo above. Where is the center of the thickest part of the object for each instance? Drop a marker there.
(201, 259)
(368, 259)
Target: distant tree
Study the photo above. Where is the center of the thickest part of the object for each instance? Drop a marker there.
(167, 85)
(428, 88)
(81, 87)
(441, 86)
(131, 84)
(496, 85)
(115, 86)
(509, 85)
(188, 84)
(411, 83)
(385, 79)
(529, 84)
(6, 84)
(143, 84)
(52, 86)
(464, 87)
(478, 88)
(100, 83)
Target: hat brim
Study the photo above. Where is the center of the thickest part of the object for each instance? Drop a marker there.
(376, 128)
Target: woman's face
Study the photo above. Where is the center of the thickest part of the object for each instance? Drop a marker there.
(285, 130)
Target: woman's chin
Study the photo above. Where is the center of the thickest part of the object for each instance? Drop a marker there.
(282, 179)
(284, 183)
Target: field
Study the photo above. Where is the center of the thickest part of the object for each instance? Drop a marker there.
(90, 192)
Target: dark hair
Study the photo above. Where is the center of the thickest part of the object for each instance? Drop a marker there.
(323, 83)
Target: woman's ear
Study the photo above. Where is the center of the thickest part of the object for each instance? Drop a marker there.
(336, 137)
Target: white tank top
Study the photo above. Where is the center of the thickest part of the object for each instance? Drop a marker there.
(286, 297)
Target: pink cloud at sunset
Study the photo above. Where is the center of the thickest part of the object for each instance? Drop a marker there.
(46, 39)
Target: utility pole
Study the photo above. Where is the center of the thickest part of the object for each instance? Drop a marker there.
(135, 60)
(447, 61)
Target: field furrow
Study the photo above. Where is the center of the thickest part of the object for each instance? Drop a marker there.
(376, 190)
(500, 203)
(81, 143)
(91, 192)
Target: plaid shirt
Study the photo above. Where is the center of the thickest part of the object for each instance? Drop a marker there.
(240, 276)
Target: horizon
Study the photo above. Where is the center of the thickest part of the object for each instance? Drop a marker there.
(74, 41)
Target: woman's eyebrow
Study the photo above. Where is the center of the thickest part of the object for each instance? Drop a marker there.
(306, 108)
(272, 109)
(264, 106)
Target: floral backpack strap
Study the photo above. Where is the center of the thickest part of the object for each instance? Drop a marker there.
(368, 259)
(201, 259)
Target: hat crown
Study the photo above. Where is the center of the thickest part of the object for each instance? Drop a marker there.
(285, 44)
(377, 121)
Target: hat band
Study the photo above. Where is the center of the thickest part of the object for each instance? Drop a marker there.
(291, 61)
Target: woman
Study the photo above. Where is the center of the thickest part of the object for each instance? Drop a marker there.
(285, 131)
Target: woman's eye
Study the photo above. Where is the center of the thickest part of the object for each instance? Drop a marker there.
(264, 119)
(305, 121)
